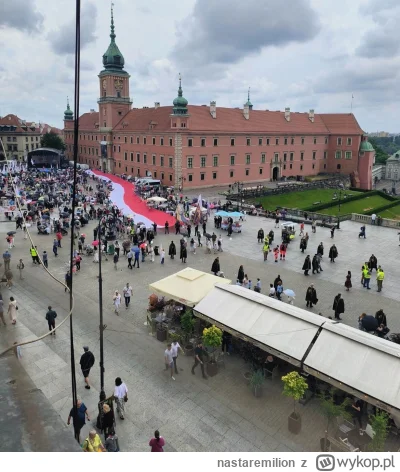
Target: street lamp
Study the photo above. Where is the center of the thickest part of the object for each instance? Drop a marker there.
(102, 391)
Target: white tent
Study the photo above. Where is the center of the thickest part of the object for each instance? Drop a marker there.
(188, 286)
(350, 359)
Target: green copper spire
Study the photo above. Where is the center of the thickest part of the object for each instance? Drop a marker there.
(180, 102)
(113, 60)
(68, 113)
(248, 103)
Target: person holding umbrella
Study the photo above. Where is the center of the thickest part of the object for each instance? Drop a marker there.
(290, 294)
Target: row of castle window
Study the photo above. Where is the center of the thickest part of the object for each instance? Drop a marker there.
(203, 141)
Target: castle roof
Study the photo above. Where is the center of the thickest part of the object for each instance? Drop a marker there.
(231, 120)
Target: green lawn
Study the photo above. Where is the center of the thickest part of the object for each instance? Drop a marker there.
(299, 200)
(359, 206)
(392, 213)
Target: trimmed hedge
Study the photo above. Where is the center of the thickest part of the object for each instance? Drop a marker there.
(324, 206)
(382, 208)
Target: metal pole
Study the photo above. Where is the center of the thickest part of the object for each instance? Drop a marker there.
(102, 392)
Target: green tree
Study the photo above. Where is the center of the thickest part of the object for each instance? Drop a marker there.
(332, 410)
(294, 386)
(212, 337)
(52, 140)
(381, 156)
(379, 424)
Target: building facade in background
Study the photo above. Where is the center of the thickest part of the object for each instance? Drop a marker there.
(20, 137)
(199, 146)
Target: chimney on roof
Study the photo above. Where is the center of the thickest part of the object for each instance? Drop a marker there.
(92, 110)
(246, 111)
(287, 114)
(311, 115)
(213, 109)
(156, 105)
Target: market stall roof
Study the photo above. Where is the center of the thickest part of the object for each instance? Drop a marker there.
(188, 286)
(352, 360)
(261, 319)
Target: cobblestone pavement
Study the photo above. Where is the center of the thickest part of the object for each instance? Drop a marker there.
(193, 414)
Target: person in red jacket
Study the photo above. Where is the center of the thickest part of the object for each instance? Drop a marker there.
(59, 238)
(282, 249)
(276, 253)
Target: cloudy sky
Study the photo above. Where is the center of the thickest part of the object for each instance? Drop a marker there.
(300, 54)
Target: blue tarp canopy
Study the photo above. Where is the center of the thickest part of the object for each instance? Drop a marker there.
(232, 214)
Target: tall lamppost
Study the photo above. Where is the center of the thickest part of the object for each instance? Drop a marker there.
(340, 195)
(102, 391)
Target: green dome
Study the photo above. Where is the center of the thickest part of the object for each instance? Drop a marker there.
(113, 59)
(180, 102)
(68, 113)
(366, 146)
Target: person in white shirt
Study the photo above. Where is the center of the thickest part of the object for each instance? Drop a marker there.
(373, 218)
(175, 349)
(272, 290)
(117, 301)
(169, 360)
(127, 294)
(120, 396)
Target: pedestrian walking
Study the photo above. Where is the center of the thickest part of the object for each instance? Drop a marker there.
(115, 259)
(333, 253)
(78, 260)
(51, 316)
(107, 420)
(311, 296)
(307, 265)
(162, 256)
(276, 253)
(7, 260)
(20, 267)
(86, 362)
(199, 354)
(130, 256)
(215, 268)
(175, 348)
(2, 311)
(348, 283)
(313, 226)
(240, 275)
(120, 397)
(93, 443)
(25, 231)
(116, 302)
(157, 443)
(68, 281)
(380, 275)
(127, 291)
(332, 232)
(45, 259)
(366, 278)
(78, 416)
(12, 310)
(169, 361)
(55, 248)
(282, 250)
(338, 306)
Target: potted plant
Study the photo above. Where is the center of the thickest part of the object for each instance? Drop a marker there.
(294, 386)
(187, 324)
(379, 425)
(212, 339)
(332, 410)
(256, 382)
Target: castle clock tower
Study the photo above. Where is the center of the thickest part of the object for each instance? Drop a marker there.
(114, 102)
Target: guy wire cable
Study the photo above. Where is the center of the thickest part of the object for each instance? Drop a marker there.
(76, 131)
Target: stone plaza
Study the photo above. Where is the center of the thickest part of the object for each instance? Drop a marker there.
(192, 414)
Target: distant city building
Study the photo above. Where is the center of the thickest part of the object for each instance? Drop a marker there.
(379, 134)
(20, 136)
(393, 166)
(199, 146)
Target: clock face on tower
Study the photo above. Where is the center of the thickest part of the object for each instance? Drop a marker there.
(118, 84)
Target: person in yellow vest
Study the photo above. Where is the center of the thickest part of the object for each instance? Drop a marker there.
(265, 251)
(367, 278)
(34, 255)
(380, 275)
(363, 267)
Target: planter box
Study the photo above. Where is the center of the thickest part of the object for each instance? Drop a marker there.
(294, 423)
(162, 335)
(212, 369)
(189, 349)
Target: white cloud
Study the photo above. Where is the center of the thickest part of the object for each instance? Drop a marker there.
(302, 54)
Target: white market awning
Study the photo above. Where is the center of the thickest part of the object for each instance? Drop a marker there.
(352, 360)
(188, 286)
